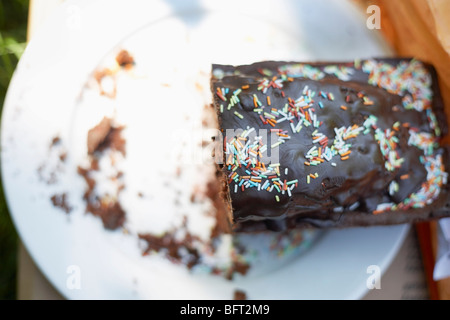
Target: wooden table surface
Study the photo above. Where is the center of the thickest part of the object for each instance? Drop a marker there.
(411, 32)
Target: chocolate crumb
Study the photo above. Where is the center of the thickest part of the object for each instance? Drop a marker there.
(48, 172)
(114, 141)
(94, 164)
(55, 141)
(111, 213)
(60, 201)
(98, 134)
(89, 181)
(63, 156)
(104, 136)
(125, 60)
(238, 267)
(172, 246)
(239, 295)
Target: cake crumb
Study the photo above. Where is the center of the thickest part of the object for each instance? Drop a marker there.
(55, 141)
(104, 136)
(110, 212)
(125, 59)
(98, 134)
(48, 171)
(239, 295)
(60, 201)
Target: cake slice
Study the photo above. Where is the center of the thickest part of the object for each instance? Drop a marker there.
(331, 144)
(156, 184)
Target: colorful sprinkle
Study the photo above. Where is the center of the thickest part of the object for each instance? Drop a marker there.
(408, 79)
(240, 116)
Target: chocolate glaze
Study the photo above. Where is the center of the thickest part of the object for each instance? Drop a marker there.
(363, 178)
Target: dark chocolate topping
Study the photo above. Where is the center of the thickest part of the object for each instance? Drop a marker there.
(333, 98)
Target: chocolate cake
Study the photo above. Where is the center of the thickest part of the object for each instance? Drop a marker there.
(158, 185)
(331, 144)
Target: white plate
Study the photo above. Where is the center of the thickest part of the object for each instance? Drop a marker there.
(41, 103)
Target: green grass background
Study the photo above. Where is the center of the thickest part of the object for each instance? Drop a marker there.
(13, 32)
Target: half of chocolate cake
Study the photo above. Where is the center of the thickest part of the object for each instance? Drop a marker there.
(332, 144)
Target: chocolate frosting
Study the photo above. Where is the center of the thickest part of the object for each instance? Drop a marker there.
(342, 191)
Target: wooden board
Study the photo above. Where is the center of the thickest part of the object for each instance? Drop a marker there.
(421, 29)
